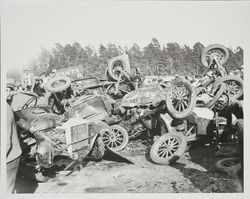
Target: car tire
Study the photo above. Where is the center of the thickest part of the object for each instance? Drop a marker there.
(218, 49)
(159, 156)
(53, 89)
(116, 138)
(189, 102)
(231, 166)
(121, 62)
(228, 81)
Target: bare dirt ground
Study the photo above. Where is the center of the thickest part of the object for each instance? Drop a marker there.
(195, 172)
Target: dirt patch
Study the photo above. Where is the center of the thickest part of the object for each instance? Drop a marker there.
(195, 172)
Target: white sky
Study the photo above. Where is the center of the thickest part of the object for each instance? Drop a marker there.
(29, 25)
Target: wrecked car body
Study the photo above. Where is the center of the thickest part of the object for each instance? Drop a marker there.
(213, 57)
(149, 101)
(93, 107)
(46, 136)
(87, 117)
(214, 93)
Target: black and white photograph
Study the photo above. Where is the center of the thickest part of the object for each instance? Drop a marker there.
(123, 96)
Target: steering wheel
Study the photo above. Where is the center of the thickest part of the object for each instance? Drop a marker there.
(27, 104)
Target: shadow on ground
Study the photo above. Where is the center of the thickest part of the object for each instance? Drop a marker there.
(206, 179)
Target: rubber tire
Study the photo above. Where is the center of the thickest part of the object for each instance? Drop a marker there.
(213, 46)
(165, 161)
(228, 78)
(222, 88)
(110, 68)
(51, 89)
(98, 150)
(125, 136)
(219, 165)
(171, 109)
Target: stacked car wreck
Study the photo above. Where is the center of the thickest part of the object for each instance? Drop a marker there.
(82, 119)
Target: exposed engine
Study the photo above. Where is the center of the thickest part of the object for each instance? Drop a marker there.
(140, 119)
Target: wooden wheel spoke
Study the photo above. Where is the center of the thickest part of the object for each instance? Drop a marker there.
(119, 141)
(109, 143)
(170, 153)
(160, 153)
(176, 105)
(182, 106)
(236, 88)
(173, 151)
(175, 145)
(173, 93)
(175, 90)
(119, 138)
(164, 154)
(115, 144)
(174, 100)
(179, 109)
(185, 97)
(174, 142)
(161, 149)
(116, 132)
(184, 102)
(105, 141)
(106, 136)
(165, 144)
(180, 91)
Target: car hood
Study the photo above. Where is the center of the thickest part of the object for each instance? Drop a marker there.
(142, 96)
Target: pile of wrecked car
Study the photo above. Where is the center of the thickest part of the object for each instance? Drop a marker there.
(80, 120)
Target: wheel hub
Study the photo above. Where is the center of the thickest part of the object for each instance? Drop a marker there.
(112, 137)
(168, 148)
(179, 98)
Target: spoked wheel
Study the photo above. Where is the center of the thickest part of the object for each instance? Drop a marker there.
(234, 86)
(181, 98)
(116, 66)
(58, 84)
(217, 51)
(168, 148)
(115, 138)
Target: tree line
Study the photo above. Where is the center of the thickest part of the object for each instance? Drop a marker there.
(153, 59)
